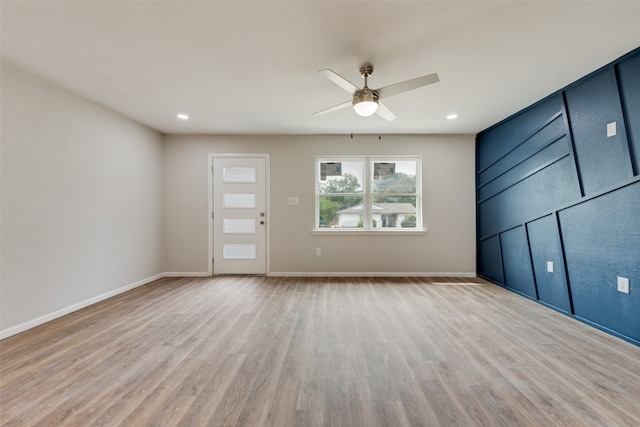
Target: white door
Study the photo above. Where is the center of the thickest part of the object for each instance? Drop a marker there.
(239, 215)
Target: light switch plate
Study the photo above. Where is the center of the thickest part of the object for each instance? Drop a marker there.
(550, 266)
(294, 201)
(611, 129)
(623, 284)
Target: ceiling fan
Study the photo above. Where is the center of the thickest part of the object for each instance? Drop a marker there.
(367, 101)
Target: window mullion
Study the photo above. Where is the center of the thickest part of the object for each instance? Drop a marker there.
(366, 200)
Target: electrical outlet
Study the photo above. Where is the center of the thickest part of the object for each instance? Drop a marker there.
(611, 129)
(623, 284)
(550, 266)
(294, 201)
(318, 251)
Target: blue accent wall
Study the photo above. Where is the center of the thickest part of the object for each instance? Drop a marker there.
(602, 241)
(591, 105)
(516, 260)
(555, 188)
(491, 260)
(544, 241)
(629, 79)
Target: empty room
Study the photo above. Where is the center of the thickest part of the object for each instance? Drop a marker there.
(320, 213)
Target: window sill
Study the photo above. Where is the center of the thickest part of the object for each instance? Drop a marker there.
(351, 232)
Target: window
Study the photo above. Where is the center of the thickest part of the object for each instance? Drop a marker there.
(368, 193)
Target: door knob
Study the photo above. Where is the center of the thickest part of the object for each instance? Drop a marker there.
(262, 222)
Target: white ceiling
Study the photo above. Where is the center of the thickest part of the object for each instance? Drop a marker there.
(250, 67)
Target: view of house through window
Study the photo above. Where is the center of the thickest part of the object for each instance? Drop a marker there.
(369, 193)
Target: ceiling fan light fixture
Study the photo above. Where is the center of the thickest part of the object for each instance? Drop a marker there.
(365, 108)
(365, 102)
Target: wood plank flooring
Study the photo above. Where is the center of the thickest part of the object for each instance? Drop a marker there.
(270, 351)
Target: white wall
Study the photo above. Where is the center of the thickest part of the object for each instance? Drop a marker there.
(81, 200)
(448, 194)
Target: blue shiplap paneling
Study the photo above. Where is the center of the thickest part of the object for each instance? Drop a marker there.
(602, 241)
(551, 132)
(552, 152)
(531, 198)
(629, 77)
(490, 260)
(603, 161)
(544, 241)
(500, 140)
(516, 260)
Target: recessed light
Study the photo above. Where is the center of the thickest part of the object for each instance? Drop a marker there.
(183, 117)
(452, 116)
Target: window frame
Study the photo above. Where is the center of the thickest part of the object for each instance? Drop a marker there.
(368, 195)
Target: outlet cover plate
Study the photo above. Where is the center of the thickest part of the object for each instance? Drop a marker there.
(623, 284)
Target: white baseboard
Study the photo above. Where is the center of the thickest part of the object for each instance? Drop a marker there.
(186, 274)
(6, 333)
(367, 274)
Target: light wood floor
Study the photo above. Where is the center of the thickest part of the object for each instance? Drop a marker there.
(254, 351)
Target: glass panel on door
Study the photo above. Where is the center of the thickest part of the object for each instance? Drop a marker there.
(239, 174)
(238, 200)
(239, 251)
(239, 225)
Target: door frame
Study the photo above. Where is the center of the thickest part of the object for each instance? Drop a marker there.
(267, 200)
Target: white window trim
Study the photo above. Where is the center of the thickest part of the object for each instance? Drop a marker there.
(368, 161)
(351, 232)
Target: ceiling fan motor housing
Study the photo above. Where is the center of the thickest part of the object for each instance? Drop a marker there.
(365, 95)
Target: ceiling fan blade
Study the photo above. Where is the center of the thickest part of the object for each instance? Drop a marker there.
(340, 81)
(408, 85)
(334, 108)
(384, 112)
